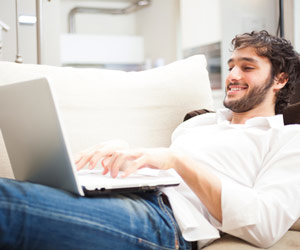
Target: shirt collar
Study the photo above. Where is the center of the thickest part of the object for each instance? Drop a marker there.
(224, 116)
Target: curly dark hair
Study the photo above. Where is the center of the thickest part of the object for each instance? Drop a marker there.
(283, 58)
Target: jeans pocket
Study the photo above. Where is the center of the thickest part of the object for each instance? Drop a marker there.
(165, 206)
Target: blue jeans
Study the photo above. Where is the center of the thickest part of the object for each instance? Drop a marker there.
(38, 217)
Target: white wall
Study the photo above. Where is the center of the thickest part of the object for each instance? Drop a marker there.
(159, 25)
(165, 33)
(100, 39)
(98, 23)
(244, 16)
(200, 22)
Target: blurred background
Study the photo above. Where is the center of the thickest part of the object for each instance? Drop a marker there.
(135, 35)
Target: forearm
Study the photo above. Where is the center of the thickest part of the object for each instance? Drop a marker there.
(203, 183)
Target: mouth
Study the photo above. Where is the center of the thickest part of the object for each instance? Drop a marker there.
(236, 88)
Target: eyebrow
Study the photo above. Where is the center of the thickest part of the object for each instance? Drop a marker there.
(247, 59)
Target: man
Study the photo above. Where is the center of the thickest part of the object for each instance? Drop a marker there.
(239, 169)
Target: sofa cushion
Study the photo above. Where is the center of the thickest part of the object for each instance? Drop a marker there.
(142, 108)
(290, 241)
(292, 114)
(296, 226)
(195, 113)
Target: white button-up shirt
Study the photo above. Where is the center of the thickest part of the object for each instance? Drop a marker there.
(258, 164)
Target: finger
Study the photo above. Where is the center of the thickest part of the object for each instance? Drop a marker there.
(120, 160)
(78, 156)
(104, 163)
(92, 157)
(134, 166)
(83, 157)
(104, 155)
(83, 153)
(84, 160)
(116, 161)
(77, 159)
(94, 160)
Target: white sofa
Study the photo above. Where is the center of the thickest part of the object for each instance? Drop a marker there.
(142, 108)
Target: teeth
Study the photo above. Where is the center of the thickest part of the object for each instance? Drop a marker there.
(236, 89)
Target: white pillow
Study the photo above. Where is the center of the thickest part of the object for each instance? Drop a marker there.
(142, 108)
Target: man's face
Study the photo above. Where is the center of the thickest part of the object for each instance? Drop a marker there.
(249, 82)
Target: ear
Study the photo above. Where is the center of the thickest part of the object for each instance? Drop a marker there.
(280, 80)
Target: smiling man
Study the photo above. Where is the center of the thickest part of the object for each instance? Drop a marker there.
(249, 82)
(256, 75)
(239, 171)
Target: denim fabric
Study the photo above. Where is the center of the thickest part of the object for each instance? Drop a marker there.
(38, 217)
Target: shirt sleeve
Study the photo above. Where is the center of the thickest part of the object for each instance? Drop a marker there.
(263, 213)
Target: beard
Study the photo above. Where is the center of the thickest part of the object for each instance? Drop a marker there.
(254, 97)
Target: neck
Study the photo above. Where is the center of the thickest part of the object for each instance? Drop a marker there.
(241, 118)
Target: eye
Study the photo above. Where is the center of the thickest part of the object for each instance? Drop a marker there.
(248, 68)
(230, 67)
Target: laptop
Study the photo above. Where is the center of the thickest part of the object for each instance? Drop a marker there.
(39, 152)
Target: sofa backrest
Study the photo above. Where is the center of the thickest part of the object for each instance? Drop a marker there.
(142, 108)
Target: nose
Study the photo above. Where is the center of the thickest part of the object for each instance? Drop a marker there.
(234, 75)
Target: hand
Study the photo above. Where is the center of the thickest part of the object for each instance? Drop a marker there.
(100, 151)
(130, 160)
